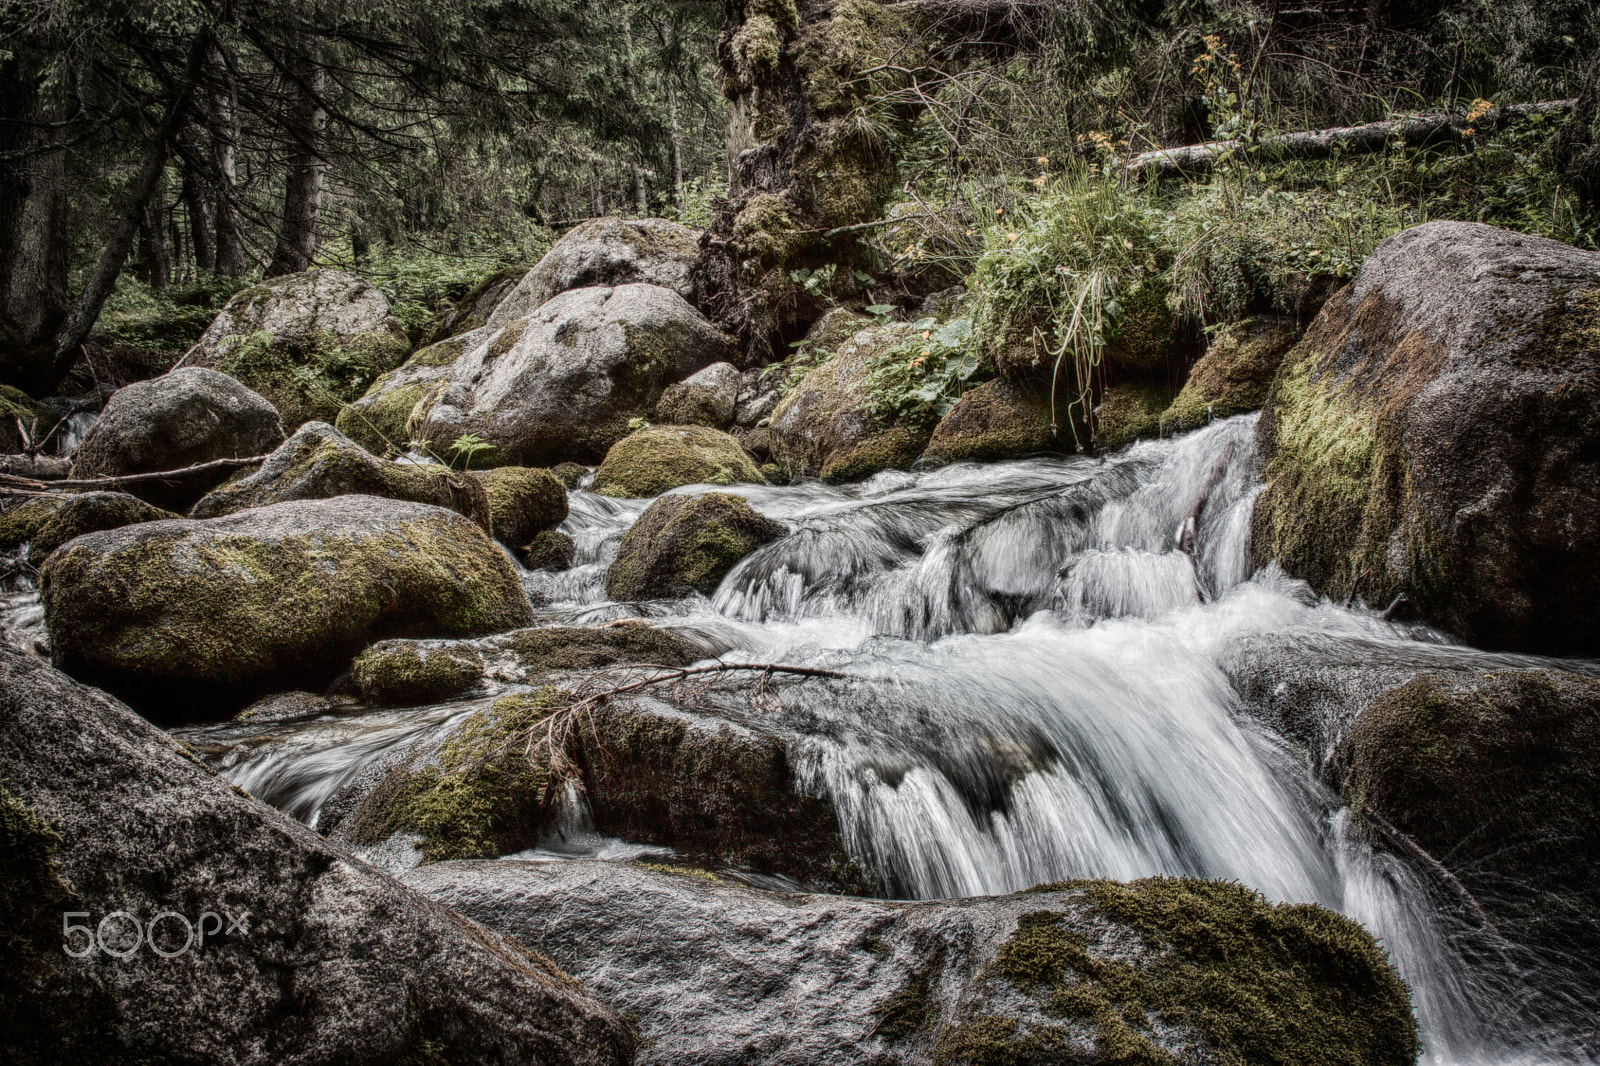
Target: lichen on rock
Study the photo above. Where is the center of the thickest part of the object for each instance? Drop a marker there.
(89, 512)
(650, 461)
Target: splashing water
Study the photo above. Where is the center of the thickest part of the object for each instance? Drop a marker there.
(1044, 694)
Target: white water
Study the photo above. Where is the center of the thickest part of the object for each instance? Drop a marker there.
(1043, 696)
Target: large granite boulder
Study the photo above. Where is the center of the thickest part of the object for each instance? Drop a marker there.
(564, 382)
(652, 460)
(1161, 970)
(386, 418)
(707, 398)
(686, 544)
(181, 614)
(996, 420)
(181, 419)
(826, 427)
(89, 512)
(606, 251)
(262, 942)
(1437, 433)
(309, 342)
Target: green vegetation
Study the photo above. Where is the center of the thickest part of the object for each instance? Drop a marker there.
(405, 672)
(310, 379)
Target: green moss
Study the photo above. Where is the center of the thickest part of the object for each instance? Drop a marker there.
(440, 354)
(764, 229)
(1234, 376)
(484, 796)
(563, 648)
(657, 458)
(681, 871)
(506, 339)
(404, 672)
(550, 550)
(911, 1008)
(1258, 982)
(684, 544)
(755, 48)
(1146, 337)
(893, 449)
(309, 379)
(996, 420)
(17, 406)
(569, 474)
(19, 523)
(523, 502)
(1128, 412)
(383, 421)
(997, 1041)
(90, 512)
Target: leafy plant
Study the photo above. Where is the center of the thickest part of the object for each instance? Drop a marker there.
(466, 448)
(921, 379)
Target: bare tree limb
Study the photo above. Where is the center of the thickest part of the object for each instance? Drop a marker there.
(14, 485)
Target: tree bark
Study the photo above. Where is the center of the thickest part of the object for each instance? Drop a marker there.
(232, 259)
(298, 235)
(200, 238)
(155, 258)
(1575, 148)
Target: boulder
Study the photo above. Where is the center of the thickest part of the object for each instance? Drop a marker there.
(403, 672)
(996, 420)
(706, 398)
(473, 309)
(1128, 412)
(287, 707)
(387, 417)
(181, 419)
(523, 503)
(563, 383)
(309, 342)
(569, 474)
(36, 420)
(606, 252)
(686, 544)
(313, 958)
(24, 518)
(1496, 776)
(1234, 376)
(182, 613)
(760, 390)
(650, 461)
(825, 427)
(1161, 970)
(1435, 434)
(551, 550)
(89, 512)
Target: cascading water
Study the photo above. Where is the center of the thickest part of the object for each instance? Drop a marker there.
(1041, 648)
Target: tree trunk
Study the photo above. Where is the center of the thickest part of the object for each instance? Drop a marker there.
(677, 152)
(812, 109)
(33, 239)
(200, 240)
(1575, 148)
(224, 127)
(302, 183)
(155, 259)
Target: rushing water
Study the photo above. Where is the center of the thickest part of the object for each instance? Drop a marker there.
(1043, 694)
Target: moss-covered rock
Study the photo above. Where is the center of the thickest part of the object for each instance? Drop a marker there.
(1436, 433)
(413, 671)
(388, 416)
(650, 461)
(826, 428)
(1146, 337)
(684, 544)
(1128, 412)
(1498, 778)
(569, 474)
(523, 502)
(17, 406)
(311, 343)
(1234, 376)
(550, 550)
(182, 614)
(473, 309)
(707, 398)
(23, 519)
(996, 420)
(89, 512)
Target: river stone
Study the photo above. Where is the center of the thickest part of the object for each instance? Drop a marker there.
(650, 461)
(686, 544)
(564, 383)
(760, 390)
(1129, 411)
(89, 512)
(473, 309)
(329, 962)
(387, 417)
(524, 502)
(551, 550)
(1435, 433)
(825, 427)
(706, 398)
(309, 342)
(181, 419)
(1497, 776)
(1234, 376)
(996, 420)
(182, 613)
(606, 251)
(23, 519)
(718, 973)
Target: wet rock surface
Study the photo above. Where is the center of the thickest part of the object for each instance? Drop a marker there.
(684, 544)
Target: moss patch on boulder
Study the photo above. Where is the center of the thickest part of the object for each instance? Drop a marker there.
(996, 420)
(550, 550)
(569, 474)
(311, 378)
(386, 417)
(90, 512)
(1128, 412)
(523, 502)
(17, 406)
(652, 460)
(1146, 339)
(1234, 376)
(412, 672)
(21, 522)
(684, 544)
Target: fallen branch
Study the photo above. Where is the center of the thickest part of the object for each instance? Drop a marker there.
(1196, 159)
(1191, 523)
(35, 467)
(1403, 843)
(14, 485)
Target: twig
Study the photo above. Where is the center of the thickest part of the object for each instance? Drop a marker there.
(11, 484)
(1191, 524)
(1396, 839)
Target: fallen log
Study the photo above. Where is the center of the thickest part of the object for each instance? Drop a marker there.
(37, 467)
(1195, 159)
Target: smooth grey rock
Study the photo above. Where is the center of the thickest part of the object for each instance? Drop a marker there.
(606, 251)
(706, 398)
(298, 305)
(563, 383)
(181, 419)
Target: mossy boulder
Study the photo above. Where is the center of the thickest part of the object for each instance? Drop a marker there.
(1128, 412)
(1234, 376)
(311, 343)
(706, 398)
(388, 415)
(606, 252)
(523, 502)
(1437, 433)
(1151, 972)
(181, 419)
(182, 614)
(89, 512)
(650, 461)
(102, 812)
(550, 550)
(473, 309)
(685, 544)
(1146, 337)
(23, 519)
(1497, 776)
(564, 383)
(826, 426)
(414, 671)
(996, 420)
(17, 406)
(569, 474)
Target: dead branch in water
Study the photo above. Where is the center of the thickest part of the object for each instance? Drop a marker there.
(15, 485)
(1191, 523)
(1401, 842)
